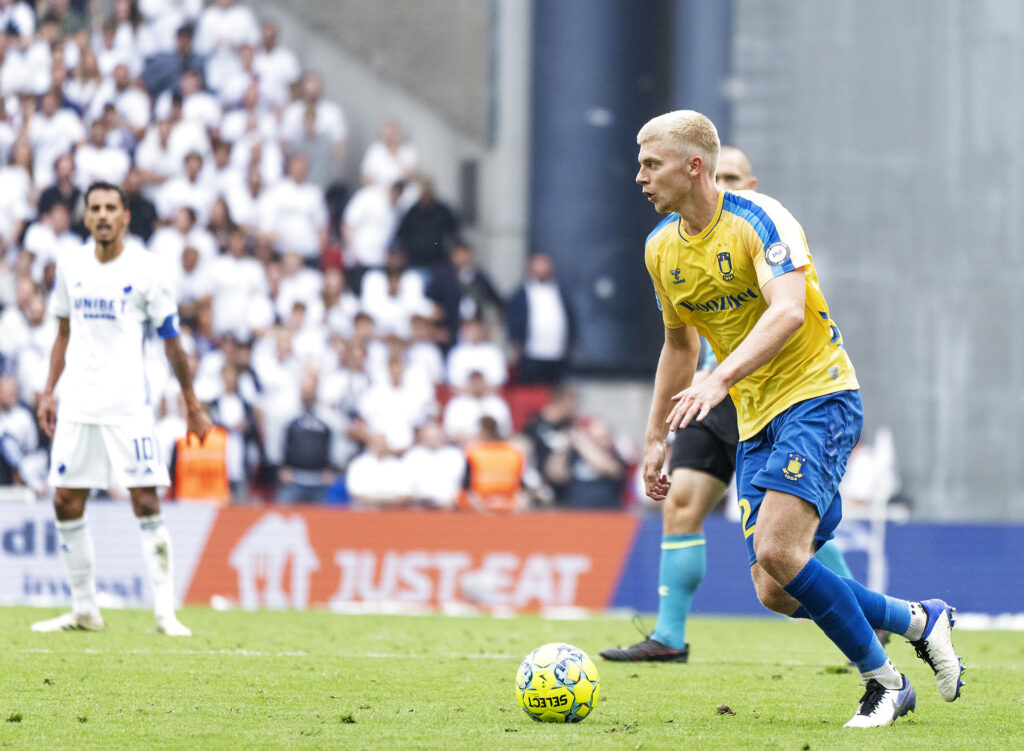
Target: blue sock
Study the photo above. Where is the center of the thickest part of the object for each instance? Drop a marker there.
(833, 558)
(883, 612)
(833, 606)
(683, 562)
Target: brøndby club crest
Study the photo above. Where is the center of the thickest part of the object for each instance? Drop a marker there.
(725, 266)
(794, 467)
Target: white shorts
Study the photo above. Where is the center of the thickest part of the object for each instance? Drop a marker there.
(85, 455)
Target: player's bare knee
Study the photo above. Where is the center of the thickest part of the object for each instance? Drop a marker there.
(145, 501)
(772, 595)
(773, 556)
(68, 504)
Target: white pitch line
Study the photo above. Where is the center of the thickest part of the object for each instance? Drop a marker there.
(254, 653)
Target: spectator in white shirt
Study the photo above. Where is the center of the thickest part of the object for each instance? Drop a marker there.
(475, 352)
(170, 241)
(377, 477)
(19, 16)
(368, 225)
(328, 117)
(52, 131)
(163, 18)
(238, 280)
(19, 193)
(250, 117)
(82, 87)
(390, 159)
(97, 161)
(463, 412)
(276, 67)
(293, 213)
(131, 101)
(436, 468)
(243, 199)
(225, 25)
(197, 105)
(46, 238)
(186, 190)
(340, 305)
(299, 283)
(423, 351)
(397, 403)
(393, 295)
(110, 54)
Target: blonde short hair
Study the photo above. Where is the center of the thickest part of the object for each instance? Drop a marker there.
(689, 132)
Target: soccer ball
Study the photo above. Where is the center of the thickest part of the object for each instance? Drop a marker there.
(557, 683)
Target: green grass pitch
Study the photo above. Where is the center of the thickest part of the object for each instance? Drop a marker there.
(318, 680)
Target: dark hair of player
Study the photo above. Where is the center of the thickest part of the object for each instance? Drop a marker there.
(102, 185)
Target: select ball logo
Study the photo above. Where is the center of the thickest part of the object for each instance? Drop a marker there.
(776, 254)
(557, 683)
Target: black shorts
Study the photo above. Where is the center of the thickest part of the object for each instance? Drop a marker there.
(710, 445)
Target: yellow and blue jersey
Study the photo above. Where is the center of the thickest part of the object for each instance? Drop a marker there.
(712, 281)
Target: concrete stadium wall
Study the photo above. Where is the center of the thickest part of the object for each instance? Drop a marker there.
(890, 130)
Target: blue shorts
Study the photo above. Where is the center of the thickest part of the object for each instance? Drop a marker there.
(803, 452)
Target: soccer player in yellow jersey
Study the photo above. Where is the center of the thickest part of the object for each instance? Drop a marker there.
(701, 466)
(735, 268)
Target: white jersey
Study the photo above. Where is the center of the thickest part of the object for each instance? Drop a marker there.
(109, 306)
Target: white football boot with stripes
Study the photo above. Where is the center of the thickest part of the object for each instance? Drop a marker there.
(70, 622)
(880, 706)
(935, 647)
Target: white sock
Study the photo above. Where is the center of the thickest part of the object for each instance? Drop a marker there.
(156, 552)
(918, 621)
(79, 559)
(887, 675)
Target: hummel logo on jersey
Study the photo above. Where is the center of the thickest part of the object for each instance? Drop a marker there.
(675, 275)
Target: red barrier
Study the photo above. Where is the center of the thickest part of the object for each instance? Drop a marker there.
(296, 558)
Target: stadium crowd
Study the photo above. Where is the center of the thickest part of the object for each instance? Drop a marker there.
(346, 342)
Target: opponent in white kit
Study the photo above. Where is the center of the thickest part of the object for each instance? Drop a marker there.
(105, 295)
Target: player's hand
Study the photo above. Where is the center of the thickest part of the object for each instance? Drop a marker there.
(198, 422)
(695, 402)
(46, 413)
(655, 481)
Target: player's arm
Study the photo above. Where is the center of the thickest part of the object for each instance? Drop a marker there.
(676, 367)
(196, 417)
(785, 314)
(46, 409)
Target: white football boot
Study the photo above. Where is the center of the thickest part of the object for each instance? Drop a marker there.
(169, 625)
(880, 706)
(70, 622)
(935, 647)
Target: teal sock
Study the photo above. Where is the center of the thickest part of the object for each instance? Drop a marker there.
(832, 557)
(683, 562)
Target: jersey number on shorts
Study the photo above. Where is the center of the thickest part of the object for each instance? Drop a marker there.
(744, 505)
(144, 449)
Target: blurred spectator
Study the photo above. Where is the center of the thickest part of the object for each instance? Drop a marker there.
(435, 468)
(97, 161)
(327, 117)
(162, 70)
(368, 227)
(548, 433)
(224, 24)
(129, 101)
(397, 402)
(18, 16)
(21, 461)
(279, 373)
(590, 466)
(390, 159)
(63, 189)
(18, 189)
(318, 149)
(52, 131)
(187, 190)
(541, 331)
(423, 351)
(128, 19)
(343, 387)
(494, 480)
(393, 295)
(340, 305)
(463, 412)
(169, 242)
(427, 230)
(81, 88)
(308, 468)
(47, 237)
(293, 213)
(475, 352)
(277, 67)
(243, 200)
(142, 212)
(462, 290)
(33, 355)
(377, 478)
(200, 467)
